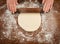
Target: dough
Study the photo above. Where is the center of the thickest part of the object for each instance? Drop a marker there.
(29, 21)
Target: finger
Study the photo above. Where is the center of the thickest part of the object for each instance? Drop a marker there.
(48, 7)
(43, 1)
(44, 7)
(16, 2)
(14, 8)
(11, 8)
(51, 6)
(8, 5)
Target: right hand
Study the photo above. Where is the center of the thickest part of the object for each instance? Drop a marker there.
(11, 5)
(48, 4)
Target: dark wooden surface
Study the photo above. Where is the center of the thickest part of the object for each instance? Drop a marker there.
(57, 7)
(57, 33)
(2, 2)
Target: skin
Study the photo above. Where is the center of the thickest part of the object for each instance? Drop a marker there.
(11, 5)
(47, 5)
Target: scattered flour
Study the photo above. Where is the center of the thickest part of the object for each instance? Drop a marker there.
(9, 24)
(11, 28)
(49, 26)
(28, 5)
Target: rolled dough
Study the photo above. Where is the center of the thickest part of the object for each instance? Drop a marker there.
(29, 21)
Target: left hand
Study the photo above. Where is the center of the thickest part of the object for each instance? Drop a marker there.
(47, 5)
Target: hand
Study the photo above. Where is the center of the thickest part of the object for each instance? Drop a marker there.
(47, 5)
(11, 5)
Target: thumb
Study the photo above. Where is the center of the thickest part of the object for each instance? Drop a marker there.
(16, 2)
(43, 1)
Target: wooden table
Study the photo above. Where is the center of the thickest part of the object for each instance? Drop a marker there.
(56, 34)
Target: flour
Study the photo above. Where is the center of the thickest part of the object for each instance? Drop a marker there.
(28, 5)
(11, 30)
(9, 23)
(49, 26)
